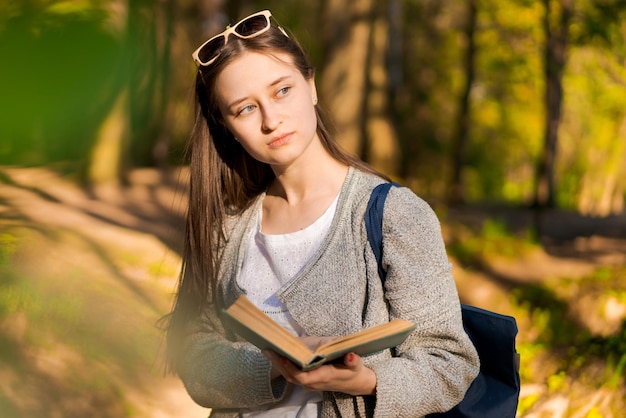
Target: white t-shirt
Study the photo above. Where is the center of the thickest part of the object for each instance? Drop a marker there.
(270, 262)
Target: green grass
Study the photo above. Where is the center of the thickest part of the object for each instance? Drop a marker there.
(7, 247)
(7, 408)
(493, 240)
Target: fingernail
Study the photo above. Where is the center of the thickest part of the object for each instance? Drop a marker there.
(350, 357)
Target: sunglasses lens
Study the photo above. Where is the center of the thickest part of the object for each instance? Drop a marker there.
(252, 25)
(211, 49)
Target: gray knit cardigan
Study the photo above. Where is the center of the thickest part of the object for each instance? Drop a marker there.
(340, 292)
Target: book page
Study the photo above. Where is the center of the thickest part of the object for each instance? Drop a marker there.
(265, 333)
(399, 328)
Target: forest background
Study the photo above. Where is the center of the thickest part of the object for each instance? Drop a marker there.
(508, 116)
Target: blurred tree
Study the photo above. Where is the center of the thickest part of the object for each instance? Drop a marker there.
(506, 117)
(107, 161)
(355, 81)
(557, 18)
(105, 85)
(87, 84)
(150, 35)
(463, 123)
(58, 78)
(346, 32)
(135, 132)
(596, 85)
(380, 144)
(425, 92)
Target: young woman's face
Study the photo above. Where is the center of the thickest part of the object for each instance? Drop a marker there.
(268, 106)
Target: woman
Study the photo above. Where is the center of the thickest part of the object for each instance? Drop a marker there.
(276, 212)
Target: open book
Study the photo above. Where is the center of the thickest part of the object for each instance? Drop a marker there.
(255, 326)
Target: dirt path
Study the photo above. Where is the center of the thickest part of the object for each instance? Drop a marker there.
(115, 252)
(96, 271)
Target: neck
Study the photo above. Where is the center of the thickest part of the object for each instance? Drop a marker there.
(312, 179)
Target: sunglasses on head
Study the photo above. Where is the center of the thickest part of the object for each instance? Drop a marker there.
(246, 28)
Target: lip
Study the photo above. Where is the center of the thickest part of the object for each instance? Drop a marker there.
(279, 140)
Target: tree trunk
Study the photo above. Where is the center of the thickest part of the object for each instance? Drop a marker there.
(556, 25)
(456, 193)
(381, 143)
(347, 30)
(162, 143)
(107, 163)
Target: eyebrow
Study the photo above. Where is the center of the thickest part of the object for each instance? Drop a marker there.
(272, 84)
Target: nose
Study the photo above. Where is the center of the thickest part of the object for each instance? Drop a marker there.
(271, 117)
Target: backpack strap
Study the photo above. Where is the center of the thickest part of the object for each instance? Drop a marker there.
(374, 222)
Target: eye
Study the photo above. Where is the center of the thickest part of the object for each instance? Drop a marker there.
(283, 91)
(246, 109)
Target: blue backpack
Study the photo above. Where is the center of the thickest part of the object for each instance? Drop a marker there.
(495, 392)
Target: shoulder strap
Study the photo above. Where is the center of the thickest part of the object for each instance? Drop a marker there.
(374, 222)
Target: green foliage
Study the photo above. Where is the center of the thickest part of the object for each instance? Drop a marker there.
(557, 382)
(602, 274)
(593, 147)
(507, 129)
(58, 80)
(530, 352)
(549, 316)
(525, 403)
(507, 102)
(600, 23)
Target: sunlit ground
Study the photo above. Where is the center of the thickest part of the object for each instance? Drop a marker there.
(86, 274)
(84, 279)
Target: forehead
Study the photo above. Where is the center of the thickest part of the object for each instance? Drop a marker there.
(255, 69)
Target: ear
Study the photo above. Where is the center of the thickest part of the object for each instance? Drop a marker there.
(311, 82)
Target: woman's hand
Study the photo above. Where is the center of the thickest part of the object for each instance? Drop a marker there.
(351, 377)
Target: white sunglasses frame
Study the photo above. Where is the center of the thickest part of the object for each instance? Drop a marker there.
(231, 29)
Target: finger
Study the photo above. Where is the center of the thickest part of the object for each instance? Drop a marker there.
(283, 364)
(288, 367)
(352, 361)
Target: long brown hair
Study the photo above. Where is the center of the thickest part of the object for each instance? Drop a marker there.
(225, 179)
